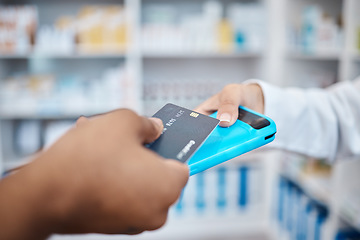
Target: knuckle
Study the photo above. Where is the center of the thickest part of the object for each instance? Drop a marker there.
(227, 100)
(158, 221)
(231, 87)
(127, 115)
(166, 187)
(151, 219)
(227, 95)
(134, 231)
(171, 193)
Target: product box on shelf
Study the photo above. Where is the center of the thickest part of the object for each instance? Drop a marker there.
(18, 26)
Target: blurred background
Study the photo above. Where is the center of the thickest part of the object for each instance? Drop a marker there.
(63, 59)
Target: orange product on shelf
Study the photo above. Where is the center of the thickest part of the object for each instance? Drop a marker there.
(226, 36)
(115, 28)
(102, 29)
(89, 29)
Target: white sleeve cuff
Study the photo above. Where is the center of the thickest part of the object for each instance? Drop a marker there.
(304, 118)
(272, 96)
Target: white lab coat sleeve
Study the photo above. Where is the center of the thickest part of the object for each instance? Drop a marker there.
(322, 123)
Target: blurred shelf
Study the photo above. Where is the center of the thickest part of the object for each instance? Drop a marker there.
(146, 54)
(331, 56)
(63, 56)
(316, 187)
(349, 211)
(16, 163)
(38, 117)
(356, 57)
(45, 116)
(235, 228)
(253, 158)
(199, 54)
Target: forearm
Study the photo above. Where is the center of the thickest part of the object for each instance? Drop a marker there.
(316, 122)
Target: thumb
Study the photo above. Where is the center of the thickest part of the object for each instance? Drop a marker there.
(229, 101)
(151, 129)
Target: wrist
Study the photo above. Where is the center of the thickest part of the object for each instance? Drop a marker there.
(254, 97)
(23, 207)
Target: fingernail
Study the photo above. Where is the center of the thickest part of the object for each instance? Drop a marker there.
(157, 121)
(225, 117)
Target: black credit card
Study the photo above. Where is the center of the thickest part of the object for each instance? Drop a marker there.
(184, 132)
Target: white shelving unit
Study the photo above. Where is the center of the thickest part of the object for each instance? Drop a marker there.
(200, 55)
(275, 63)
(335, 56)
(345, 207)
(63, 56)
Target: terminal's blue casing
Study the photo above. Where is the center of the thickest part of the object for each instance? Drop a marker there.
(226, 143)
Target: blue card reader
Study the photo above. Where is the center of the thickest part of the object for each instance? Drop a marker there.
(250, 131)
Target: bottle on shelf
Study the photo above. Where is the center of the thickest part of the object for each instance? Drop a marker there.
(17, 28)
(96, 29)
(102, 29)
(166, 29)
(317, 34)
(69, 95)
